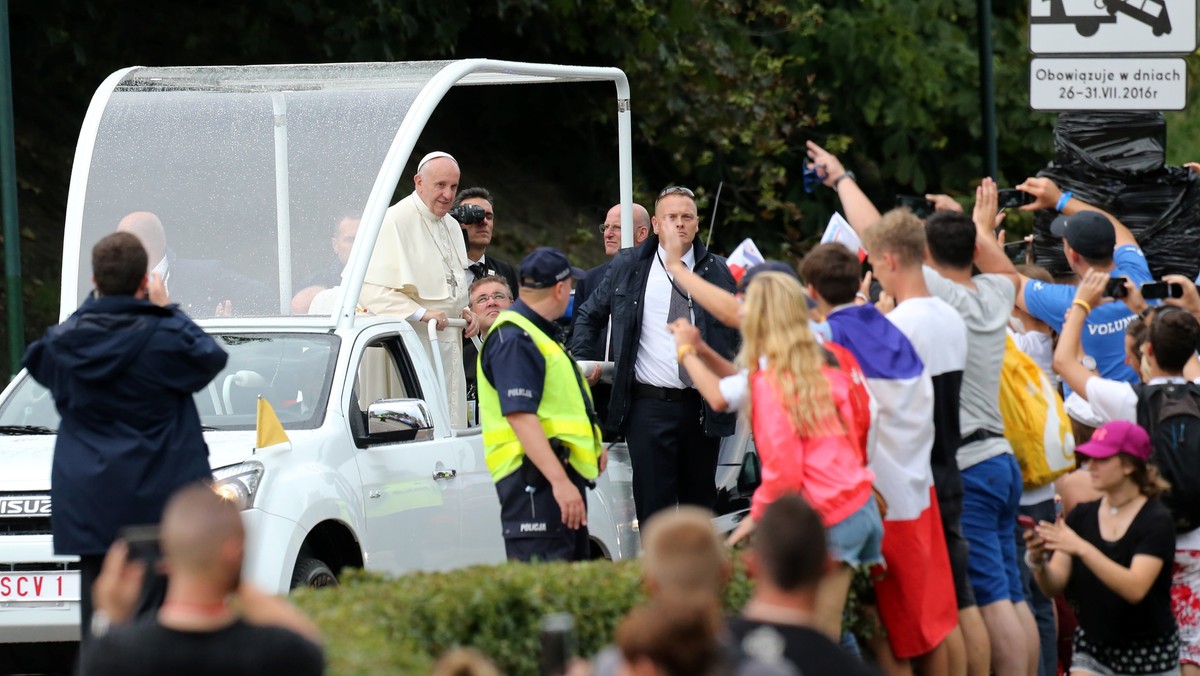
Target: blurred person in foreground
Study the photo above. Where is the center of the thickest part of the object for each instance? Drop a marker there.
(788, 561)
(211, 622)
(683, 558)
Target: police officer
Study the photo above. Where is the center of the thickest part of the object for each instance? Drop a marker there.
(540, 433)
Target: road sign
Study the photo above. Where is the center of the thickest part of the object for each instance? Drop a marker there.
(1112, 26)
(1108, 84)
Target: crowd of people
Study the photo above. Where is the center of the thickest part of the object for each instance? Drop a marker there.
(884, 412)
(876, 401)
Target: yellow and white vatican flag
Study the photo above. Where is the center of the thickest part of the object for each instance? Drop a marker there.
(269, 432)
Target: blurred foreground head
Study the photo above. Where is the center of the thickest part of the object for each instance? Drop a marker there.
(789, 548)
(202, 536)
(682, 553)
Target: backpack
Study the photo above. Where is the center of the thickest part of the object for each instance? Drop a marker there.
(1171, 414)
(1035, 423)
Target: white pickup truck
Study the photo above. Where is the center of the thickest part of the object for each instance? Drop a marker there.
(249, 169)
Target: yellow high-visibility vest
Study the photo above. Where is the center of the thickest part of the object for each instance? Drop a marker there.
(562, 410)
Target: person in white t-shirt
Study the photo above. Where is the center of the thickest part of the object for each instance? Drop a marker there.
(1167, 356)
(896, 249)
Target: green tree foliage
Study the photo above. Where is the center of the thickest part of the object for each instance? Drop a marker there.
(722, 91)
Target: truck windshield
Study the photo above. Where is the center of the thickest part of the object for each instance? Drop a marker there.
(291, 371)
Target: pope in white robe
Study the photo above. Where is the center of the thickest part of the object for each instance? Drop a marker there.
(418, 270)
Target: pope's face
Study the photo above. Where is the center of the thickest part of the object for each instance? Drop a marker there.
(676, 213)
(480, 234)
(438, 184)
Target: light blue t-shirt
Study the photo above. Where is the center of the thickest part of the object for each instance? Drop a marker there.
(1104, 330)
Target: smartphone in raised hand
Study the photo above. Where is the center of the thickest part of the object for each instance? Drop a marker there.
(920, 206)
(1115, 288)
(1161, 290)
(1010, 198)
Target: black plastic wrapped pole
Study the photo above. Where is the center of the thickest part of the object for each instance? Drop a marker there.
(8, 202)
(987, 89)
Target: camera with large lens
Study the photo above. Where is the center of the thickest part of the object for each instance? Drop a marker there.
(467, 214)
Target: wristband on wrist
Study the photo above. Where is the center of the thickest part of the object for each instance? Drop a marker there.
(1083, 304)
(845, 175)
(684, 350)
(1062, 201)
(1034, 565)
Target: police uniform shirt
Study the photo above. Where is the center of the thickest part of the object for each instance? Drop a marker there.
(514, 365)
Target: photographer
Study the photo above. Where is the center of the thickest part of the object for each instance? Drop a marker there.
(211, 622)
(474, 212)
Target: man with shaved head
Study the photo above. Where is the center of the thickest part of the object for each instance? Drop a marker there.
(610, 230)
(200, 629)
(418, 270)
(201, 288)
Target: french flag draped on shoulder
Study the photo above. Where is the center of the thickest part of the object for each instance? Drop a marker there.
(901, 440)
(916, 593)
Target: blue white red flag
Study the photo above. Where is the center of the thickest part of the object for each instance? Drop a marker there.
(902, 437)
(916, 593)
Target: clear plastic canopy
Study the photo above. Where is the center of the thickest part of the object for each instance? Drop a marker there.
(250, 169)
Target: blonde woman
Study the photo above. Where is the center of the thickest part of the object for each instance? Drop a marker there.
(810, 427)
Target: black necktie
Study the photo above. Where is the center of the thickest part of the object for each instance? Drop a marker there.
(478, 270)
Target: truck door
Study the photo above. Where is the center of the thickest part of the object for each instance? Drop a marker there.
(411, 493)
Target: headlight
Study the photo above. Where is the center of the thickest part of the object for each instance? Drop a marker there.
(238, 483)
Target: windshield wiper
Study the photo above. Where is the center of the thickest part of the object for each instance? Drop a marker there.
(25, 429)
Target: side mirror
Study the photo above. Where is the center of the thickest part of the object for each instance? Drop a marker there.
(398, 420)
(750, 475)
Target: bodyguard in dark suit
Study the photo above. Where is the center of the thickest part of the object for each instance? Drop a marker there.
(610, 230)
(673, 436)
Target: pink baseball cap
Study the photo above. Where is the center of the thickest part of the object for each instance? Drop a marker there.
(1115, 437)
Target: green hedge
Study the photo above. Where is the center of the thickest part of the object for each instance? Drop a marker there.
(374, 624)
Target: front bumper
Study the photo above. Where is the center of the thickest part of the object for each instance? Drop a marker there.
(37, 621)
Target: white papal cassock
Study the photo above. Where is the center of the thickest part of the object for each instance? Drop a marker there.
(420, 262)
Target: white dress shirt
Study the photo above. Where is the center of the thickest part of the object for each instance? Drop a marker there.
(656, 362)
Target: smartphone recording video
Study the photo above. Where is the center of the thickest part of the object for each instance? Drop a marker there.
(1010, 198)
(1161, 290)
(142, 542)
(920, 206)
(1115, 288)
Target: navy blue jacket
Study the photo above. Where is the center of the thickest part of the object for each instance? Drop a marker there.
(585, 286)
(122, 372)
(620, 294)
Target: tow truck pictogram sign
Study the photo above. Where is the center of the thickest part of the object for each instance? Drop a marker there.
(1112, 26)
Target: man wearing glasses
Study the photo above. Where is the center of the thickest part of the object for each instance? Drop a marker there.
(673, 435)
(610, 230)
(488, 297)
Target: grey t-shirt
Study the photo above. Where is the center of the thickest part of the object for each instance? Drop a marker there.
(985, 310)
